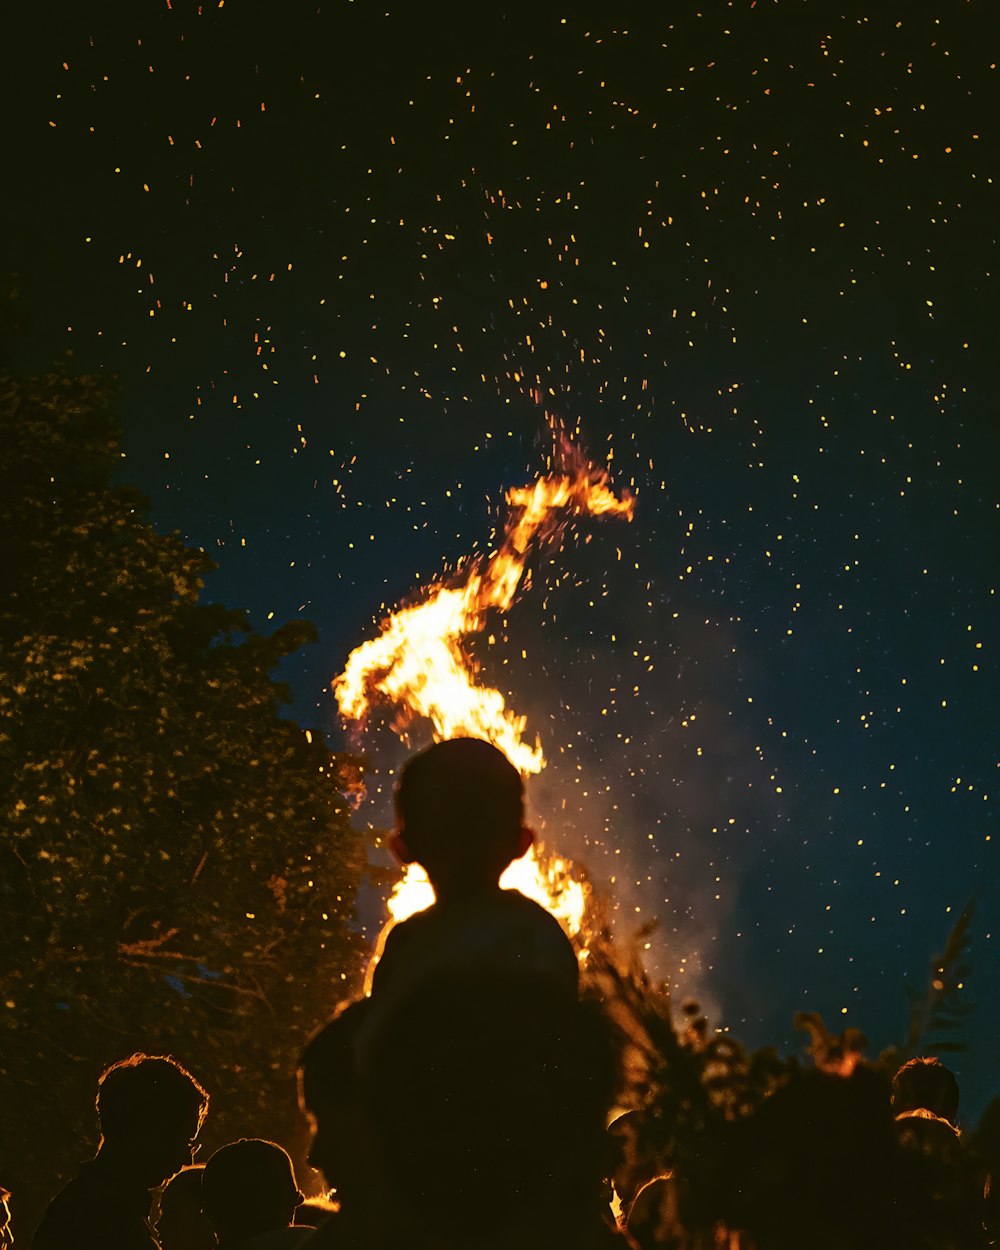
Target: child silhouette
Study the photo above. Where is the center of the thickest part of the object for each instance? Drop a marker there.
(460, 814)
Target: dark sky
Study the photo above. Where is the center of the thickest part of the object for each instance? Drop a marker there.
(748, 254)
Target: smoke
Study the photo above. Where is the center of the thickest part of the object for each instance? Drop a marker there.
(654, 782)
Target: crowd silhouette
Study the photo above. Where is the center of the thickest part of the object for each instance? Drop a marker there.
(479, 1099)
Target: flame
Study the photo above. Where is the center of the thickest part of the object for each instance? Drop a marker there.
(419, 665)
(417, 662)
(548, 879)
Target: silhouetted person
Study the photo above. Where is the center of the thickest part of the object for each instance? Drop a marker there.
(633, 1167)
(150, 1111)
(460, 814)
(986, 1145)
(488, 1102)
(181, 1223)
(249, 1194)
(925, 1084)
(6, 1236)
(816, 1166)
(647, 1221)
(940, 1188)
(343, 1147)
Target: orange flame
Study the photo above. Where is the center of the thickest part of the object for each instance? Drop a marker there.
(418, 664)
(545, 878)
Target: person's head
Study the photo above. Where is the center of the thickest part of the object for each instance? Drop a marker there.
(182, 1224)
(6, 1236)
(150, 1111)
(496, 1118)
(646, 1212)
(460, 811)
(925, 1083)
(248, 1188)
(329, 1094)
(817, 1154)
(631, 1166)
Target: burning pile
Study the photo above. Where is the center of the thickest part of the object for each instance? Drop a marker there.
(419, 665)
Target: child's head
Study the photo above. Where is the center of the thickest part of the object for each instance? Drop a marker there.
(248, 1188)
(925, 1082)
(182, 1224)
(459, 808)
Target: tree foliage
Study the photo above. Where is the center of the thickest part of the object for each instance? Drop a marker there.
(177, 865)
(753, 1150)
(938, 1015)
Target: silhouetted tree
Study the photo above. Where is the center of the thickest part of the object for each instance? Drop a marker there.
(177, 865)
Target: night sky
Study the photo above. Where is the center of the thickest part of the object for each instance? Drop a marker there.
(336, 253)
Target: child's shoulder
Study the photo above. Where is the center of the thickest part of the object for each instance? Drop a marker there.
(520, 905)
(481, 912)
(503, 931)
(527, 935)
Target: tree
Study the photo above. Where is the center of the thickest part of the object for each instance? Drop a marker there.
(177, 865)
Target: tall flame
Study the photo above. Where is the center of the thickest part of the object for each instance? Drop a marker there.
(418, 663)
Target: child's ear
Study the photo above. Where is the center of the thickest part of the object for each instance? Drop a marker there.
(397, 844)
(525, 839)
